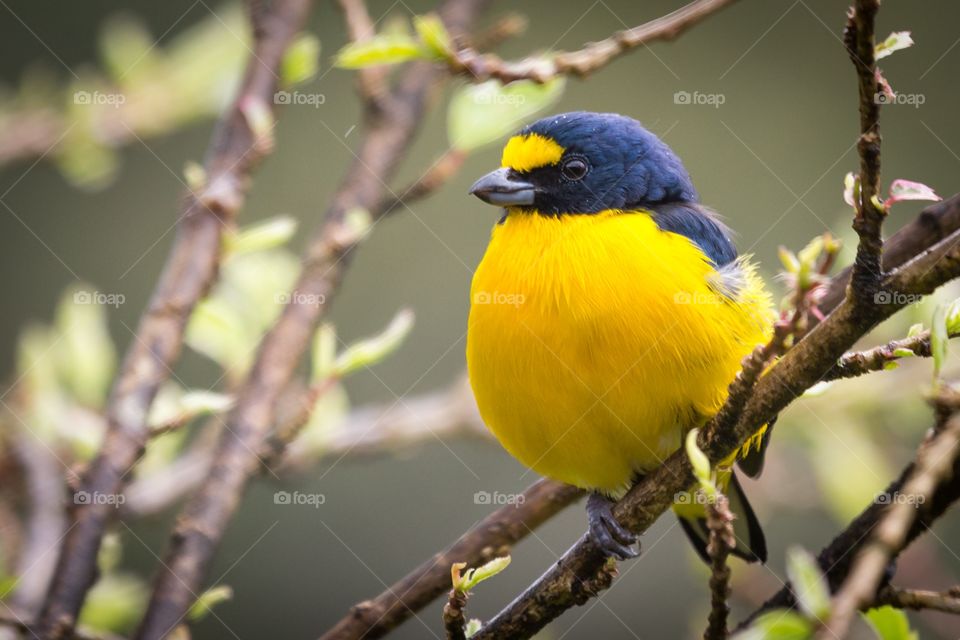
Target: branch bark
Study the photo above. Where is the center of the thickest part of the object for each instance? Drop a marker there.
(492, 537)
(479, 67)
(205, 517)
(836, 560)
(188, 274)
(870, 213)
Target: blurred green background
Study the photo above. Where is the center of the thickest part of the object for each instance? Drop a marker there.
(771, 159)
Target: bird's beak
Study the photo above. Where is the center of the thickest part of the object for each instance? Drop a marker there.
(503, 188)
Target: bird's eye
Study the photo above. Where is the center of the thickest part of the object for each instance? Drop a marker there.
(574, 169)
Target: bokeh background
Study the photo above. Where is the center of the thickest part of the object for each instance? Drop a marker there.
(771, 158)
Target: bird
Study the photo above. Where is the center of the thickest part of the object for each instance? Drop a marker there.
(608, 316)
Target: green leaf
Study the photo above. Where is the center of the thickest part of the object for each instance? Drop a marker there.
(324, 352)
(480, 114)
(903, 353)
(85, 353)
(269, 234)
(779, 624)
(383, 48)
(7, 585)
(700, 463)
(115, 603)
(301, 60)
(473, 626)
(208, 600)
(434, 35)
(372, 350)
(939, 339)
(472, 577)
(890, 624)
(851, 189)
(915, 330)
(895, 42)
(808, 583)
(110, 554)
(788, 259)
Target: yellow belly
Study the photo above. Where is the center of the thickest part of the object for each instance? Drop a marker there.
(596, 341)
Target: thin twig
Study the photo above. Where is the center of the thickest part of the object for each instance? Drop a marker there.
(189, 273)
(454, 621)
(722, 541)
(836, 560)
(917, 599)
(934, 463)
(372, 82)
(206, 516)
(870, 214)
(492, 537)
(480, 67)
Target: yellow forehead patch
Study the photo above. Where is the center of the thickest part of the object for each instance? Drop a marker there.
(530, 151)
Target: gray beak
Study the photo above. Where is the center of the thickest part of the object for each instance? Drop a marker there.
(504, 189)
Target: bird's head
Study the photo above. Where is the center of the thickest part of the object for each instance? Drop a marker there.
(583, 162)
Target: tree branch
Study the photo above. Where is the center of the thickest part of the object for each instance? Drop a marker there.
(947, 601)
(836, 560)
(870, 213)
(206, 516)
(190, 271)
(722, 540)
(492, 537)
(934, 463)
(480, 67)
(932, 225)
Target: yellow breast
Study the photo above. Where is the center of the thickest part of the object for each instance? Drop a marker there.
(596, 341)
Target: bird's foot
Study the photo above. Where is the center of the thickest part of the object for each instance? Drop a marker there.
(608, 534)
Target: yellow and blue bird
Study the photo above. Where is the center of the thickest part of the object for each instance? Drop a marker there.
(609, 315)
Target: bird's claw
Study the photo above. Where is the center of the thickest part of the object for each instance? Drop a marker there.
(608, 534)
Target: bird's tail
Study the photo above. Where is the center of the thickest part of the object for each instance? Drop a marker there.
(751, 544)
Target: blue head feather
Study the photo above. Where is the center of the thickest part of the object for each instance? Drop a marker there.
(630, 168)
